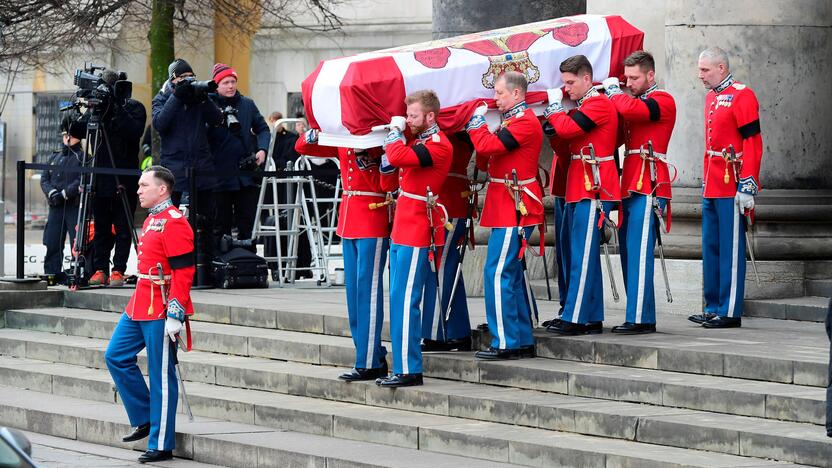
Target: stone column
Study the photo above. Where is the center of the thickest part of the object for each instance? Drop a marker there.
(782, 52)
(455, 17)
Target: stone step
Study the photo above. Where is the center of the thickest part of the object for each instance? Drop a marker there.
(651, 386)
(463, 400)
(219, 442)
(805, 309)
(462, 436)
(819, 287)
(789, 352)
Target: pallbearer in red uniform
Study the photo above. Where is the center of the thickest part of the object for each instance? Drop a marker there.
(512, 150)
(364, 220)
(649, 115)
(592, 190)
(154, 316)
(418, 227)
(731, 178)
(456, 332)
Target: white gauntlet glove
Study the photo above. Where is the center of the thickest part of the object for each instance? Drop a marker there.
(745, 202)
(611, 86)
(555, 106)
(172, 328)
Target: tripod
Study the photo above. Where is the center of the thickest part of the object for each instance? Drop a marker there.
(96, 134)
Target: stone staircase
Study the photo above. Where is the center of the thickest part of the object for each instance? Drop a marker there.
(262, 383)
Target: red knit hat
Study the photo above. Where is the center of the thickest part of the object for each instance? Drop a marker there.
(221, 71)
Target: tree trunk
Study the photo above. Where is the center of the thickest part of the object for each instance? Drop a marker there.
(161, 52)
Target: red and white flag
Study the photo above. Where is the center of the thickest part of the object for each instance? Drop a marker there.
(346, 97)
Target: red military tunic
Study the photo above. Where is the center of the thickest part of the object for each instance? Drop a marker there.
(454, 193)
(649, 117)
(595, 121)
(732, 118)
(363, 185)
(560, 166)
(166, 238)
(515, 146)
(423, 162)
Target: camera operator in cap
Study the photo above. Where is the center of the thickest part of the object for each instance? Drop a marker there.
(123, 122)
(61, 190)
(182, 114)
(241, 142)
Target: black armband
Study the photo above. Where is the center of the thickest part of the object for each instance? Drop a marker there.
(583, 121)
(653, 107)
(750, 129)
(507, 139)
(181, 261)
(422, 152)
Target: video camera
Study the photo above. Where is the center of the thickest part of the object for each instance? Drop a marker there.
(96, 95)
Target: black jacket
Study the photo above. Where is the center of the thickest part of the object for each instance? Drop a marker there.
(124, 131)
(56, 179)
(284, 148)
(229, 148)
(183, 129)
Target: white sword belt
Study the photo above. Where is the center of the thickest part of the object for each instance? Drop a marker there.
(638, 152)
(356, 193)
(434, 201)
(600, 159)
(154, 278)
(522, 183)
(719, 154)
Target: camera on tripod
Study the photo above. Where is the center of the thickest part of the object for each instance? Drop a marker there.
(97, 95)
(231, 120)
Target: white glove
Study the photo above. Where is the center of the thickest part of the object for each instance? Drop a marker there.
(611, 86)
(555, 95)
(745, 202)
(172, 328)
(398, 122)
(311, 136)
(392, 136)
(481, 110)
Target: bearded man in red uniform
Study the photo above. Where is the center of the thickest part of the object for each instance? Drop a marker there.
(731, 180)
(155, 315)
(649, 115)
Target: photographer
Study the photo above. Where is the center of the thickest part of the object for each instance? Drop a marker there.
(241, 143)
(61, 190)
(182, 114)
(115, 196)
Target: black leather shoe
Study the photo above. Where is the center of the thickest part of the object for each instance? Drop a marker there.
(630, 328)
(549, 323)
(505, 354)
(462, 344)
(723, 322)
(592, 328)
(139, 432)
(155, 456)
(400, 380)
(358, 374)
(701, 318)
(574, 329)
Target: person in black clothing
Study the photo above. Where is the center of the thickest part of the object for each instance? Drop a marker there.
(61, 190)
(124, 123)
(182, 116)
(236, 196)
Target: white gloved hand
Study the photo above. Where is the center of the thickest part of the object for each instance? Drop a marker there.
(745, 202)
(172, 328)
(481, 110)
(311, 136)
(555, 95)
(398, 122)
(611, 86)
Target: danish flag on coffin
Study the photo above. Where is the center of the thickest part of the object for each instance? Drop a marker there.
(346, 97)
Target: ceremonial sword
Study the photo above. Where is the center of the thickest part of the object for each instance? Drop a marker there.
(659, 226)
(433, 258)
(596, 176)
(179, 342)
(469, 221)
(745, 218)
(519, 208)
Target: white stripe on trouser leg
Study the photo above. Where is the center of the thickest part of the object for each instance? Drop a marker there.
(642, 258)
(735, 247)
(163, 377)
(408, 292)
(576, 315)
(371, 332)
(498, 289)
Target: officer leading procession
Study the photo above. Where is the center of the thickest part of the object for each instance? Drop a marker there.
(497, 234)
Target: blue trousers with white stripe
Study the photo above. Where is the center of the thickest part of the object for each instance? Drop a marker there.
(585, 295)
(723, 257)
(409, 269)
(508, 301)
(458, 325)
(156, 405)
(638, 239)
(562, 249)
(364, 261)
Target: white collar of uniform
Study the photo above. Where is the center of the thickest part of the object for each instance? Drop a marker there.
(160, 207)
(728, 81)
(645, 94)
(432, 130)
(518, 108)
(589, 94)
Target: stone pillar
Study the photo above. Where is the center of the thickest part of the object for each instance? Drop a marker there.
(782, 52)
(455, 17)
